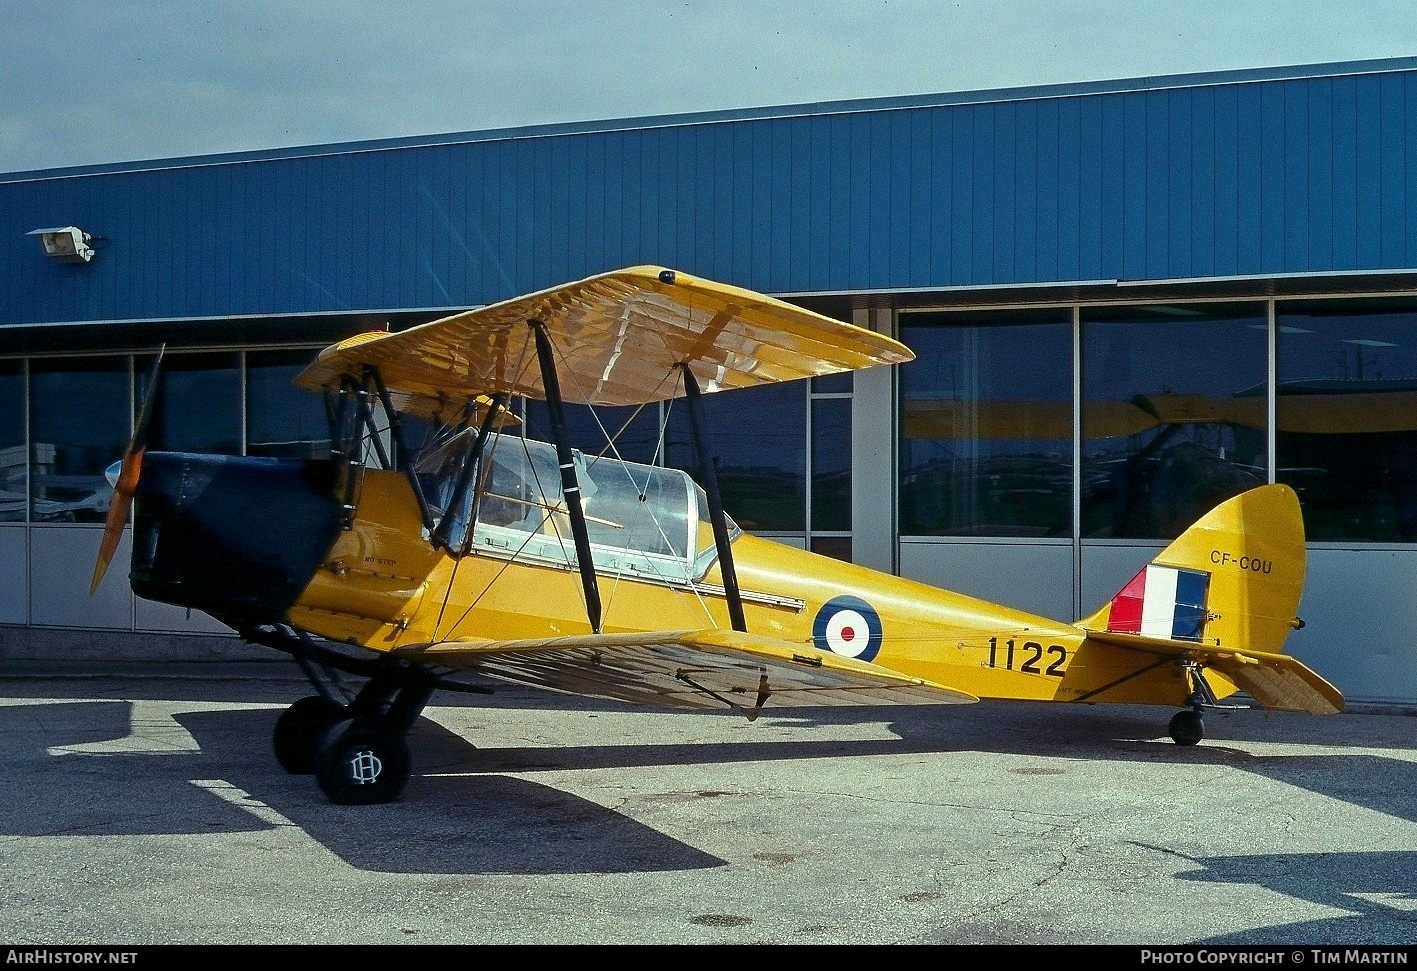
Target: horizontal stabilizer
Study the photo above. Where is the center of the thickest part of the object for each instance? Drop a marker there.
(689, 669)
(1274, 680)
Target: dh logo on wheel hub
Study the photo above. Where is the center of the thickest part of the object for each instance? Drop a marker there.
(365, 767)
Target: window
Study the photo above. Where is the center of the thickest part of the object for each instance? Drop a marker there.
(14, 488)
(281, 419)
(79, 417)
(986, 424)
(1346, 409)
(635, 431)
(759, 442)
(198, 408)
(831, 464)
(1173, 414)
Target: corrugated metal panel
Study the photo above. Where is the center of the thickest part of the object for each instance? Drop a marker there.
(1303, 175)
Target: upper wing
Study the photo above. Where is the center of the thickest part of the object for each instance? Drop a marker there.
(618, 337)
(689, 669)
(1274, 680)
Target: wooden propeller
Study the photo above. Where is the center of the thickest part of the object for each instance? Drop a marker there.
(127, 483)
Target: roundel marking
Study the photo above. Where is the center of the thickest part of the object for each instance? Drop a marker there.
(849, 626)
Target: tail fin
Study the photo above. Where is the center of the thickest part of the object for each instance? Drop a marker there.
(1232, 580)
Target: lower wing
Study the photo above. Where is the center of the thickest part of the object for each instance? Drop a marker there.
(689, 669)
(1274, 680)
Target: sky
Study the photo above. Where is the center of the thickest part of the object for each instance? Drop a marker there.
(87, 82)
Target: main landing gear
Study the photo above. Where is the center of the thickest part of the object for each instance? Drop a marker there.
(1187, 727)
(357, 749)
(353, 742)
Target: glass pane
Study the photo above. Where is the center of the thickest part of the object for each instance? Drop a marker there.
(834, 383)
(281, 419)
(198, 408)
(831, 463)
(79, 418)
(758, 438)
(1173, 414)
(837, 547)
(986, 424)
(635, 430)
(1346, 407)
(12, 442)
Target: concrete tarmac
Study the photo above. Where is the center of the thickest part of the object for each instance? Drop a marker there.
(143, 805)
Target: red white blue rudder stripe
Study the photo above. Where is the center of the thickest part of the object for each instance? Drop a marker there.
(1162, 601)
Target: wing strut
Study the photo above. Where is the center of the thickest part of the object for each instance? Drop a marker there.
(570, 486)
(692, 398)
(442, 536)
(372, 376)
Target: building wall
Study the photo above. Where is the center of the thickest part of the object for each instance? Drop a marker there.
(1201, 176)
(1250, 177)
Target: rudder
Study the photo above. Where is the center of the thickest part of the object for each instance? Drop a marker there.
(1234, 579)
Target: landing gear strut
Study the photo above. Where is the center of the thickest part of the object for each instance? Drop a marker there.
(1187, 727)
(360, 754)
(354, 743)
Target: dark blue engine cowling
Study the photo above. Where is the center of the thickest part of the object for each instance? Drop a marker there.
(238, 537)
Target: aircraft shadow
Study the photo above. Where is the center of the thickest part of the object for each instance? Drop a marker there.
(486, 822)
(482, 824)
(1375, 890)
(1075, 732)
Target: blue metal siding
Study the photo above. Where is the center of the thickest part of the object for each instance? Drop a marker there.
(1008, 174)
(1199, 245)
(1226, 211)
(1409, 195)
(1046, 195)
(1367, 216)
(960, 153)
(1253, 177)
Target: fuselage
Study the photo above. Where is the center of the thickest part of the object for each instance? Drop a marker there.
(265, 541)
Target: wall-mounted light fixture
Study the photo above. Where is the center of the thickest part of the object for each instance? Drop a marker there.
(68, 244)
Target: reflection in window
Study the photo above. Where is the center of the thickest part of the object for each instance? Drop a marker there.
(986, 424)
(79, 417)
(758, 439)
(1346, 407)
(635, 431)
(198, 408)
(13, 468)
(1173, 414)
(831, 464)
(281, 419)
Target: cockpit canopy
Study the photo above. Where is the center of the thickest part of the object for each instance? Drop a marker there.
(642, 520)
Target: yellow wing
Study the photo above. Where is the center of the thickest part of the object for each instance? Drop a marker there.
(689, 669)
(618, 336)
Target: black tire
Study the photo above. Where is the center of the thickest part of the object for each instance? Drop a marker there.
(1187, 728)
(358, 763)
(299, 729)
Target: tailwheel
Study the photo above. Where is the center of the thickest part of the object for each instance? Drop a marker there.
(1187, 728)
(360, 762)
(299, 728)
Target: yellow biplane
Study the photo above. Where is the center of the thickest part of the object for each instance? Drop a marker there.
(493, 557)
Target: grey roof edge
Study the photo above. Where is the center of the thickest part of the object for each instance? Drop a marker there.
(891, 103)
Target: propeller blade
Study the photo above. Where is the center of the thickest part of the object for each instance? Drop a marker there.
(126, 483)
